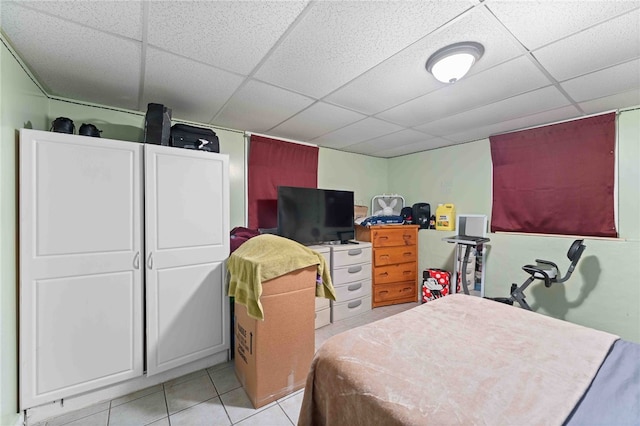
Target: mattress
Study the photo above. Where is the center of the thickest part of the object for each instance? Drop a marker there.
(463, 360)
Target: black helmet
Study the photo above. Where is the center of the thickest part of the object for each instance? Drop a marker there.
(89, 130)
(62, 125)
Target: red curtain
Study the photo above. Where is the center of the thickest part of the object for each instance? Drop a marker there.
(274, 163)
(556, 179)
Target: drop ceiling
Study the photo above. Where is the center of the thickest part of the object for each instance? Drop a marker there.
(347, 75)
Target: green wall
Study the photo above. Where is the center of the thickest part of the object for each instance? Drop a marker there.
(22, 104)
(602, 293)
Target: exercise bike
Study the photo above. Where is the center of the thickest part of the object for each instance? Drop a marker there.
(543, 270)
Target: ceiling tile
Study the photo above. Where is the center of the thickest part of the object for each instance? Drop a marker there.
(315, 121)
(508, 109)
(337, 41)
(483, 132)
(363, 130)
(392, 140)
(536, 23)
(197, 98)
(123, 17)
(613, 42)
(246, 109)
(427, 144)
(619, 78)
(404, 77)
(503, 81)
(612, 102)
(77, 63)
(234, 35)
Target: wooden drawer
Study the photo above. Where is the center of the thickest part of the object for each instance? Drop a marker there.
(352, 290)
(395, 273)
(351, 256)
(392, 255)
(348, 274)
(390, 237)
(387, 294)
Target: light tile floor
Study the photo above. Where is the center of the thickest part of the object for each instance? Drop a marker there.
(207, 397)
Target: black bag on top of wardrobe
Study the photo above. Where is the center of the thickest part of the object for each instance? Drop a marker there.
(191, 137)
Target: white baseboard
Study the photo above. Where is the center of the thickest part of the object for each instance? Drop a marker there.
(56, 408)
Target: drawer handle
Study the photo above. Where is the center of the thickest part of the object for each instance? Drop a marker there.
(383, 237)
(384, 274)
(407, 254)
(407, 272)
(354, 287)
(354, 269)
(384, 257)
(354, 304)
(406, 289)
(354, 252)
(382, 293)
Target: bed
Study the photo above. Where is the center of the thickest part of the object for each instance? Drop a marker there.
(467, 360)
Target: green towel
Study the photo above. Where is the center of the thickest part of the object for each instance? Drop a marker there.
(268, 256)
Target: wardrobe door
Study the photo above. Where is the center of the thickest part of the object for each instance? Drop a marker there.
(81, 313)
(187, 243)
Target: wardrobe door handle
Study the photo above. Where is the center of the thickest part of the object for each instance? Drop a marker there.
(150, 261)
(136, 260)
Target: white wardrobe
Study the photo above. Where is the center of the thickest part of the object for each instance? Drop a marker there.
(122, 250)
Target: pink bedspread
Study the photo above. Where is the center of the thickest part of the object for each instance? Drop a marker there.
(457, 360)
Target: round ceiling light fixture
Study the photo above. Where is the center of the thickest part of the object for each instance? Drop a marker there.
(451, 63)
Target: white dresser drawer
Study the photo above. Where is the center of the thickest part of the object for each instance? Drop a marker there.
(350, 308)
(352, 290)
(348, 274)
(322, 303)
(350, 254)
(323, 317)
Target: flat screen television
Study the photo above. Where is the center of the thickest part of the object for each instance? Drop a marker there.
(312, 216)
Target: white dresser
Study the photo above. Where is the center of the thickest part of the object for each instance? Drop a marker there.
(323, 307)
(351, 275)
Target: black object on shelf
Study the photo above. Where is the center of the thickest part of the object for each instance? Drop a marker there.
(191, 137)
(421, 215)
(157, 124)
(62, 125)
(89, 130)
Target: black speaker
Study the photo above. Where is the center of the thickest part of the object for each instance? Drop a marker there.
(421, 214)
(407, 214)
(157, 125)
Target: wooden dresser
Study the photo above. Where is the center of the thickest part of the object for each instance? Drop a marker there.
(394, 263)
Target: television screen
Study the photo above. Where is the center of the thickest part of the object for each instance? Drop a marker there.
(311, 216)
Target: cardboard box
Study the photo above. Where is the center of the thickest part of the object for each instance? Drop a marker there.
(272, 357)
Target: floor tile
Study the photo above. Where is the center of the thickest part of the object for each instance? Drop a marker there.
(186, 377)
(141, 411)
(238, 405)
(162, 422)
(136, 395)
(98, 419)
(187, 394)
(291, 406)
(225, 380)
(273, 416)
(210, 412)
(75, 415)
(221, 366)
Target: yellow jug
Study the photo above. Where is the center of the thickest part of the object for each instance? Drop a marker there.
(446, 217)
